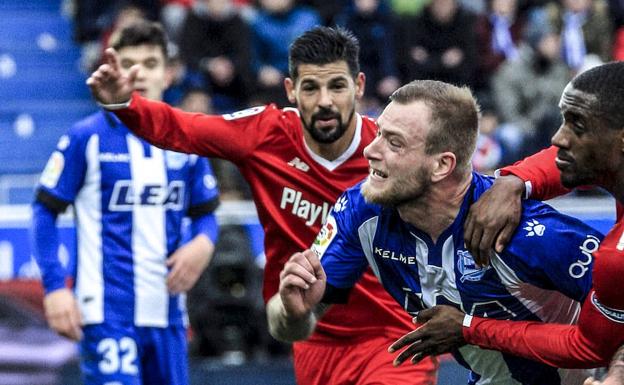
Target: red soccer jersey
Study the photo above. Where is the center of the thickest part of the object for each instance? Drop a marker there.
(293, 189)
(600, 328)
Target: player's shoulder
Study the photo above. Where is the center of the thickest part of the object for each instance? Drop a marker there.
(353, 202)
(92, 124)
(546, 231)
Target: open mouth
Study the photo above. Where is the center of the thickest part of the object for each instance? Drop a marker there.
(378, 173)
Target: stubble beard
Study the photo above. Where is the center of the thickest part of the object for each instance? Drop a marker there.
(327, 137)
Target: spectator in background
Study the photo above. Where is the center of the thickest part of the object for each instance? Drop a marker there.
(371, 21)
(586, 31)
(327, 9)
(172, 14)
(527, 91)
(489, 152)
(498, 33)
(274, 28)
(217, 42)
(439, 44)
(94, 21)
(129, 199)
(182, 80)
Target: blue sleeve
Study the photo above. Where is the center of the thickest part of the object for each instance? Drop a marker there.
(45, 247)
(553, 251)
(204, 199)
(338, 245)
(206, 224)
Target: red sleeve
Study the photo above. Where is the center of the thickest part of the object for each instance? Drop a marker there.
(232, 137)
(541, 171)
(590, 343)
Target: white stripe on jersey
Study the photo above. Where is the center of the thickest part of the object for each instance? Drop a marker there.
(87, 206)
(548, 305)
(366, 233)
(149, 238)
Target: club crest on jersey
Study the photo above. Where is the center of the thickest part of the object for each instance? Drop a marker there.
(325, 236)
(468, 268)
(124, 197)
(534, 228)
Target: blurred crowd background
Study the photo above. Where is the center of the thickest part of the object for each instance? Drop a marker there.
(226, 55)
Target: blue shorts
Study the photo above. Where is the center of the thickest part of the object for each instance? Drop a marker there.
(121, 354)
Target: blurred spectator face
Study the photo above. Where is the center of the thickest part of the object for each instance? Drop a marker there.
(366, 6)
(197, 101)
(505, 8)
(217, 7)
(577, 5)
(443, 10)
(549, 46)
(276, 6)
(128, 16)
(325, 96)
(152, 79)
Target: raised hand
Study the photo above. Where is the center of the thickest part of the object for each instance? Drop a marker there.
(492, 220)
(109, 84)
(302, 284)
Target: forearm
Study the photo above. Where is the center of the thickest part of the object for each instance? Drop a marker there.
(542, 173)
(45, 250)
(557, 345)
(285, 328)
(206, 225)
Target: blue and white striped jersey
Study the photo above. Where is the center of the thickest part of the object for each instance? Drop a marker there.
(129, 200)
(543, 274)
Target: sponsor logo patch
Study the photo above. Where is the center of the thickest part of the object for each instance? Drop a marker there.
(325, 236)
(53, 170)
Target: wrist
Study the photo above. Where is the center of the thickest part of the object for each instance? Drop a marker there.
(115, 106)
(516, 185)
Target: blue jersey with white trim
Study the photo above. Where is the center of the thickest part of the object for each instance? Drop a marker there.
(543, 274)
(129, 200)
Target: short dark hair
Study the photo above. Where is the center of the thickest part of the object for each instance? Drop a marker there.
(140, 33)
(606, 83)
(324, 45)
(454, 117)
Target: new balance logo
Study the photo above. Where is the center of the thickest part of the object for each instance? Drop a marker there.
(299, 164)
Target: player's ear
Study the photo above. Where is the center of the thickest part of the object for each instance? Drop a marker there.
(289, 86)
(443, 165)
(360, 85)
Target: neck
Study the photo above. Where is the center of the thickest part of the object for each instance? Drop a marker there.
(435, 211)
(331, 151)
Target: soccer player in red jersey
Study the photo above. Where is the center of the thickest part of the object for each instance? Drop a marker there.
(297, 162)
(588, 150)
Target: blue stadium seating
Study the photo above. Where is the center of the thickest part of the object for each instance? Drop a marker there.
(39, 79)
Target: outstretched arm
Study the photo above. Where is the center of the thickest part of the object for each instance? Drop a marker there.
(293, 312)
